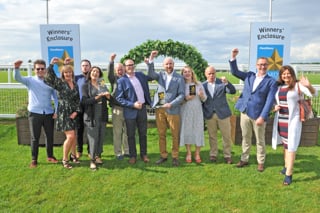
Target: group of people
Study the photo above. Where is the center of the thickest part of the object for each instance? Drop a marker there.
(80, 102)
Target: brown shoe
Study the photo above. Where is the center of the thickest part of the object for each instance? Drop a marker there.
(260, 167)
(132, 160)
(33, 164)
(175, 162)
(145, 159)
(228, 160)
(213, 158)
(161, 160)
(242, 164)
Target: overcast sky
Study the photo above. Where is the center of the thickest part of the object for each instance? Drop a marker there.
(214, 27)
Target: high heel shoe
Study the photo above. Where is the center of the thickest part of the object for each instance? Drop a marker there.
(188, 158)
(287, 180)
(74, 159)
(66, 164)
(283, 171)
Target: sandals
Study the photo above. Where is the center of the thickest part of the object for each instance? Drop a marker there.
(66, 164)
(74, 159)
(197, 158)
(188, 158)
(287, 180)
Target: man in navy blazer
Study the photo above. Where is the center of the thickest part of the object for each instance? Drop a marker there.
(133, 94)
(217, 113)
(172, 87)
(254, 104)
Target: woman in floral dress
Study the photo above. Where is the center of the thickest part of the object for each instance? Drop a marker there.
(68, 107)
(192, 124)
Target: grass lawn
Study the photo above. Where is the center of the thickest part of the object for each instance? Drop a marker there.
(119, 187)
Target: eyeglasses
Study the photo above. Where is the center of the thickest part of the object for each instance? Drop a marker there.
(262, 65)
(40, 68)
(129, 65)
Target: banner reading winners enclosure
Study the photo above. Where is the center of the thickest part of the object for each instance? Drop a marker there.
(270, 40)
(62, 41)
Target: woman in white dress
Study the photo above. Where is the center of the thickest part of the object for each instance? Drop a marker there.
(192, 124)
(287, 124)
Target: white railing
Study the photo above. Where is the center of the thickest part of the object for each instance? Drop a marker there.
(11, 96)
(178, 66)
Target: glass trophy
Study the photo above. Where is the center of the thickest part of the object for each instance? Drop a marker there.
(102, 86)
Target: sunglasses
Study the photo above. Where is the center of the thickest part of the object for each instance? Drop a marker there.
(40, 68)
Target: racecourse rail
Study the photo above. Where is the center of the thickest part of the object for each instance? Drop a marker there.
(6, 88)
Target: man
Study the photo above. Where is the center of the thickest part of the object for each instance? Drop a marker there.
(254, 104)
(133, 94)
(172, 86)
(41, 113)
(80, 79)
(217, 113)
(120, 138)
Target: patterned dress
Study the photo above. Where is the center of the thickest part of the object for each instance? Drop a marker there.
(283, 115)
(192, 124)
(68, 100)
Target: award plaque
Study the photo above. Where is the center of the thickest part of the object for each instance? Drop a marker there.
(192, 89)
(161, 98)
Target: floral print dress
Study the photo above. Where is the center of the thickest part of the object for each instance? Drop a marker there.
(68, 100)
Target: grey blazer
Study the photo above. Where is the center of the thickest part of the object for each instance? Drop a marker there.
(176, 90)
(218, 103)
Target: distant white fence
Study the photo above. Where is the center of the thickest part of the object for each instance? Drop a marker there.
(308, 68)
(14, 95)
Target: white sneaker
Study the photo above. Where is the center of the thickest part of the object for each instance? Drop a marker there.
(93, 165)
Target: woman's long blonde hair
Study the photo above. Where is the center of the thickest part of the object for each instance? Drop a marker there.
(193, 75)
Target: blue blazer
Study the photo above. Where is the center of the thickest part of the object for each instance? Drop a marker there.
(126, 95)
(218, 103)
(259, 102)
(176, 90)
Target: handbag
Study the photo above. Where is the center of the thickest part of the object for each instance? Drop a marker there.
(305, 106)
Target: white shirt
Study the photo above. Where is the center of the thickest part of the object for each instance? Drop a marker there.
(257, 81)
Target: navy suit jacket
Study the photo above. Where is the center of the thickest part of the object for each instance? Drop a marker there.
(218, 103)
(254, 103)
(126, 95)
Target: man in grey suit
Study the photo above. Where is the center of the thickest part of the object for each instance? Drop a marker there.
(217, 113)
(254, 104)
(171, 92)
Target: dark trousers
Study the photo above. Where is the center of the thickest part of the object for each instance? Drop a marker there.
(36, 122)
(141, 123)
(80, 132)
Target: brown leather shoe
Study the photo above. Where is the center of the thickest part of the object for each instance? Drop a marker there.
(132, 160)
(33, 164)
(161, 160)
(260, 167)
(145, 159)
(213, 158)
(228, 160)
(242, 164)
(175, 162)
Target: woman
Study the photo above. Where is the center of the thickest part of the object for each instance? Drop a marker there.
(94, 100)
(192, 123)
(287, 125)
(68, 107)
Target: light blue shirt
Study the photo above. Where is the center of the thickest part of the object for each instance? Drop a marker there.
(39, 94)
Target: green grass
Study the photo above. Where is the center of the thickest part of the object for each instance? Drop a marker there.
(119, 187)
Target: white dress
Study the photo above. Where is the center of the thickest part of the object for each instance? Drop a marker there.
(192, 124)
(294, 123)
